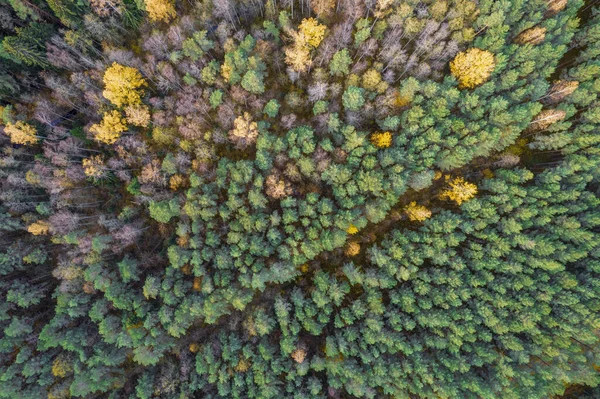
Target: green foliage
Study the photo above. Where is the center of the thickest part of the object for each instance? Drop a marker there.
(340, 63)
(263, 233)
(197, 45)
(28, 45)
(271, 108)
(163, 211)
(353, 98)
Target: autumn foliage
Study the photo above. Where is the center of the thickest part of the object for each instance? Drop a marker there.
(472, 67)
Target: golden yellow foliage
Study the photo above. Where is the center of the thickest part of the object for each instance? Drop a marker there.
(160, 10)
(93, 166)
(312, 31)
(21, 133)
(309, 36)
(352, 248)
(39, 228)
(138, 115)
(61, 367)
(304, 268)
(110, 128)
(194, 347)
(381, 139)
(472, 67)
(437, 175)
(459, 190)
(122, 85)
(533, 36)
(352, 229)
(243, 366)
(417, 213)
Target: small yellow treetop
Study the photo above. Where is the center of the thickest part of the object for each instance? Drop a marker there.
(381, 139)
(39, 228)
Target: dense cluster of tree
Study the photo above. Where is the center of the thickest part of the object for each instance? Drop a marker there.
(324, 199)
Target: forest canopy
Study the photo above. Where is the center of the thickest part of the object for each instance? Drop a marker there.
(326, 199)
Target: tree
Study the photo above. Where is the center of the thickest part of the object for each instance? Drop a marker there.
(458, 190)
(196, 46)
(163, 211)
(138, 115)
(417, 213)
(352, 248)
(298, 58)
(309, 36)
(94, 166)
(381, 139)
(311, 32)
(353, 98)
(271, 108)
(339, 65)
(244, 132)
(533, 36)
(21, 133)
(40, 227)
(160, 10)
(253, 82)
(472, 67)
(28, 46)
(323, 8)
(123, 85)
(110, 128)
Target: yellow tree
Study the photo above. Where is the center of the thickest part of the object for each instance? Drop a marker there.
(160, 10)
(472, 67)
(312, 32)
(381, 139)
(352, 229)
(459, 190)
(309, 36)
(94, 166)
(38, 228)
(21, 133)
(417, 213)
(123, 85)
(110, 128)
